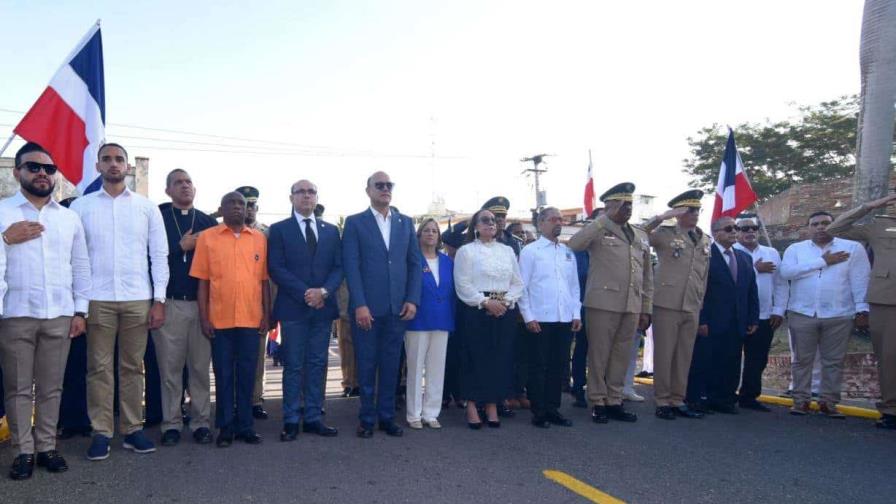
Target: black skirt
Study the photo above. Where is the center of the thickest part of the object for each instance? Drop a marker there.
(486, 354)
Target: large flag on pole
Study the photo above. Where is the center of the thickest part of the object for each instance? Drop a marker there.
(733, 192)
(588, 206)
(69, 118)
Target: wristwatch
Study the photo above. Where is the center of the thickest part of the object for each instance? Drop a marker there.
(324, 293)
(81, 314)
(159, 300)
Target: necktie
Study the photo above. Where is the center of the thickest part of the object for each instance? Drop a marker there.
(732, 263)
(310, 238)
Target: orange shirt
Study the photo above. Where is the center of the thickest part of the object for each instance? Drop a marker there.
(235, 268)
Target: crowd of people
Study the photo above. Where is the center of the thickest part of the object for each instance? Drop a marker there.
(479, 315)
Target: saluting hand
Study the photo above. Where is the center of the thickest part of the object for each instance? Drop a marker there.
(882, 202)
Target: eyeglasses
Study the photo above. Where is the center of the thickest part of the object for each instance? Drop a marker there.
(35, 167)
(486, 220)
(728, 229)
(747, 229)
(384, 186)
(302, 192)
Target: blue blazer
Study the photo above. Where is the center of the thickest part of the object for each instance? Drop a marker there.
(294, 271)
(730, 306)
(380, 279)
(436, 311)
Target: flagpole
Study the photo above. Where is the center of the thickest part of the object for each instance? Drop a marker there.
(8, 141)
(762, 225)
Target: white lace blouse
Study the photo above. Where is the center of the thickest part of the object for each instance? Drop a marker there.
(486, 267)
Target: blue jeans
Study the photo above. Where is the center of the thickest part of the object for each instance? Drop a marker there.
(378, 352)
(304, 355)
(234, 356)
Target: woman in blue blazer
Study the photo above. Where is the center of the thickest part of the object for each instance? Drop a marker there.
(426, 340)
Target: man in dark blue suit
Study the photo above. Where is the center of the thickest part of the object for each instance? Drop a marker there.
(730, 313)
(381, 259)
(305, 261)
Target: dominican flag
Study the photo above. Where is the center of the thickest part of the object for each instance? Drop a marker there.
(733, 193)
(69, 118)
(589, 189)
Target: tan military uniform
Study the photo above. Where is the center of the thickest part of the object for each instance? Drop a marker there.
(618, 290)
(258, 388)
(680, 283)
(880, 233)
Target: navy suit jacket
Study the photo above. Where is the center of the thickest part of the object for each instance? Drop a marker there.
(728, 306)
(292, 268)
(380, 279)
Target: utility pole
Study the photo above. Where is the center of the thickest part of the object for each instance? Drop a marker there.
(540, 197)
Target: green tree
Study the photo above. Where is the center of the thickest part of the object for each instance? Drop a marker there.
(819, 144)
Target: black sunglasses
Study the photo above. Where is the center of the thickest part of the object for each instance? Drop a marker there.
(303, 192)
(729, 229)
(35, 167)
(384, 186)
(748, 228)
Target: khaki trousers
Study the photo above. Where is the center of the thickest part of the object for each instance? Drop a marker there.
(610, 337)
(126, 322)
(180, 342)
(883, 337)
(258, 387)
(346, 353)
(674, 333)
(830, 338)
(33, 352)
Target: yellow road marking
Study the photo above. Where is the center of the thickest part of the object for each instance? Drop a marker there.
(585, 490)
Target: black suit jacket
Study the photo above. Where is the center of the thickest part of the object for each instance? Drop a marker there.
(730, 305)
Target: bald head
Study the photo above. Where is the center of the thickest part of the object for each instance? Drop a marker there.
(379, 190)
(303, 196)
(233, 209)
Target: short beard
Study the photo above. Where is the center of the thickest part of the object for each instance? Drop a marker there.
(40, 193)
(113, 180)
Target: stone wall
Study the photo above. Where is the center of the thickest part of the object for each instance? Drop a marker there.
(860, 379)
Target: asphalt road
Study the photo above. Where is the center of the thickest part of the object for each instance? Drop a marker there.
(751, 457)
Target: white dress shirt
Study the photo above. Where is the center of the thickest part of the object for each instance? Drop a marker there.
(301, 220)
(551, 281)
(49, 276)
(817, 289)
(384, 223)
(2, 277)
(486, 267)
(773, 290)
(121, 232)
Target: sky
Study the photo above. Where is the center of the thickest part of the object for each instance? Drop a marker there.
(446, 97)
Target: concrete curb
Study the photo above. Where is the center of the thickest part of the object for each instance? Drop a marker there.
(852, 411)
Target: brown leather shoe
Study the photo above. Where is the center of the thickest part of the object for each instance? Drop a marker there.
(525, 403)
(830, 411)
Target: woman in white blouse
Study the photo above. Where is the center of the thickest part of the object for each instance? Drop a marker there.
(487, 281)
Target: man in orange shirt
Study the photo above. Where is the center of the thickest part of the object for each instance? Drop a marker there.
(230, 262)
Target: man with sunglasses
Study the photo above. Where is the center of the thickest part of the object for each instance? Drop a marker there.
(683, 252)
(880, 233)
(381, 260)
(828, 286)
(47, 273)
(773, 292)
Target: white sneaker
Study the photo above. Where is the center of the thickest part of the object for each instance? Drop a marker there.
(415, 424)
(433, 424)
(631, 395)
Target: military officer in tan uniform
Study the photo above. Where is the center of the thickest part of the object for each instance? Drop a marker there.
(880, 234)
(683, 253)
(618, 297)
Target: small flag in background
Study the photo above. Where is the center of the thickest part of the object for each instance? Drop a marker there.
(69, 118)
(733, 192)
(589, 189)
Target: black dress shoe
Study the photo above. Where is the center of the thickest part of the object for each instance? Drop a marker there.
(22, 466)
(644, 374)
(541, 422)
(249, 437)
(170, 437)
(391, 429)
(365, 431)
(886, 422)
(684, 411)
(290, 432)
(665, 413)
(346, 392)
(556, 418)
(225, 438)
(617, 412)
(755, 405)
(259, 413)
(320, 429)
(52, 461)
(599, 414)
(700, 407)
(474, 425)
(494, 424)
(202, 435)
(728, 409)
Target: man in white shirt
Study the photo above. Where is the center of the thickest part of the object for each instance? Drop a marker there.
(121, 227)
(828, 282)
(551, 309)
(48, 275)
(773, 293)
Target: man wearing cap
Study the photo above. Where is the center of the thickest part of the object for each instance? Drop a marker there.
(683, 251)
(618, 299)
(258, 411)
(880, 233)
